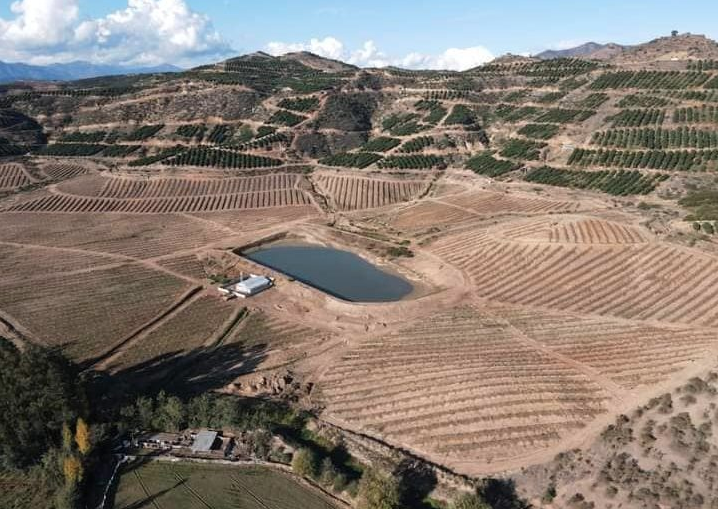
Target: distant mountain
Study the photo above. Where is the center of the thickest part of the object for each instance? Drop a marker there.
(584, 50)
(72, 71)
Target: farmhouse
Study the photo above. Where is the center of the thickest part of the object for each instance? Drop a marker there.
(160, 441)
(248, 287)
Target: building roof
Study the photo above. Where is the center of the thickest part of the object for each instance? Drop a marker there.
(204, 440)
(254, 283)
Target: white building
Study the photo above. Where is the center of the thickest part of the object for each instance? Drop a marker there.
(246, 287)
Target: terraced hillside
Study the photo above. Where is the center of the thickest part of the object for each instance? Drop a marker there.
(556, 219)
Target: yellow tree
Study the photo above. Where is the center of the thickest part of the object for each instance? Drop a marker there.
(72, 467)
(82, 436)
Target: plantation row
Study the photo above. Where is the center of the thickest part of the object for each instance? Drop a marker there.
(211, 203)
(205, 156)
(266, 141)
(301, 104)
(642, 101)
(553, 68)
(638, 118)
(461, 115)
(683, 137)
(86, 149)
(435, 111)
(539, 131)
(517, 148)
(351, 160)
(421, 162)
(402, 124)
(682, 160)
(704, 114)
(485, 164)
(511, 113)
(12, 176)
(192, 131)
(160, 156)
(84, 137)
(380, 144)
(144, 132)
(702, 65)
(551, 97)
(126, 188)
(593, 101)
(696, 95)
(352, 193)
(706, 227)
(416, 144)
(650, 79)
(287, 118)
(614, 182)
(8, 149)
(8, 100)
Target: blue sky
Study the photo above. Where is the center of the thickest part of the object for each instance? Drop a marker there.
(415, 33)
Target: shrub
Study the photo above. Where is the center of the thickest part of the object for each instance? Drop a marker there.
(304, 463)
(378, 491)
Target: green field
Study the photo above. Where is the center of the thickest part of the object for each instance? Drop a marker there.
(163, 485)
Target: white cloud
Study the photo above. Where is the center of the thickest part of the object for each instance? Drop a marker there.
(369, 55)
(146, 32)
(328, 47)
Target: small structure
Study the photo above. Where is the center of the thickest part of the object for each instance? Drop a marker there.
(204, 441)
(159, 441)
(246, 287)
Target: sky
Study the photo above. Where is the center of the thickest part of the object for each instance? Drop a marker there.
(446, 34)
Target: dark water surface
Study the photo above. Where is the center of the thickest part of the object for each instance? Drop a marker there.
(336, 272)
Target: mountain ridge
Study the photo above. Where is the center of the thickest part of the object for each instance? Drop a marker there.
(17, 71)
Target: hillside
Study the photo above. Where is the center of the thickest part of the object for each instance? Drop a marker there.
(588, 50)
(552, 222)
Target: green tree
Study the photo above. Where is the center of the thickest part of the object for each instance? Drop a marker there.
(170, 413)
(469, 501)
(40, 391)
(378, 491)
(327, 472)
(304, 462)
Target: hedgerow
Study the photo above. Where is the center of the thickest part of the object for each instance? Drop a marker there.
(614, 182)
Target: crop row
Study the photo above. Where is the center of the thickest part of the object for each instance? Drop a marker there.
(192, 131)
(682, 160)
(204, 156)
(144, 132)
(593, 101)
(12, 176)
(564, 116)
(650, 79)
(614, 182)
(683, 137)
(84, 137)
